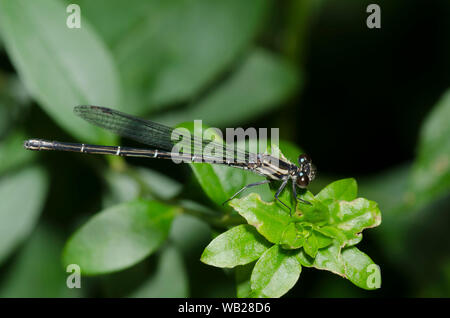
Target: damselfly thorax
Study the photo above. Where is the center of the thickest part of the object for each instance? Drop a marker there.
(161, 138)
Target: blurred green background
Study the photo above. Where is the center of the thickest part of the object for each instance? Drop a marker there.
(373, 104)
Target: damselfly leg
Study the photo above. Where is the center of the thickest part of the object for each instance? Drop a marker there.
(280, 189)
(294, 191)
(246, 187)
(283, 185)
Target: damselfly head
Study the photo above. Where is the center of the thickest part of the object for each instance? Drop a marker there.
(307, 171)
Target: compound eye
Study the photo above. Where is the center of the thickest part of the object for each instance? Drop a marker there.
(303, 181)
(303, 158)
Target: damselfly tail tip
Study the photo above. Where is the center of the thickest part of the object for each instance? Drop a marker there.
(32, 144)
(38, 144)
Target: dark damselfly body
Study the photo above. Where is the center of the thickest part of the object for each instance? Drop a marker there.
(163, 139)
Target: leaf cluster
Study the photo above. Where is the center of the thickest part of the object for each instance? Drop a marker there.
(322, 236)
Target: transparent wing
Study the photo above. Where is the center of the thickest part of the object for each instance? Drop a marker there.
(148, 132)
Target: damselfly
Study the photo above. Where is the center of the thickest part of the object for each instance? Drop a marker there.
(163, 139)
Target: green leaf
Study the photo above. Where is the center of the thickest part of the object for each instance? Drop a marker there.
(22, 196)
(293, 236)
(119, 237)
(330, 259)
(268, 219)
(181, 235)
(431, 170)
(168, 281)
(275, 273)
(137, 182)
(114, 19)
(349, 263)
(351, 218)
(243, 284)
(322, 240)
(168, 55)
(344, 189)
(61, 67)
(238, 246)
(213, 282)
(317, 213)
(261, 83)
(337, 218)
(158, 184)
(37, 271)
(12, 154)
(120, 188)
(360, 269)
(311, 245)
(313, 241)
(333, 232)
(304, 258)
(221, 182)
